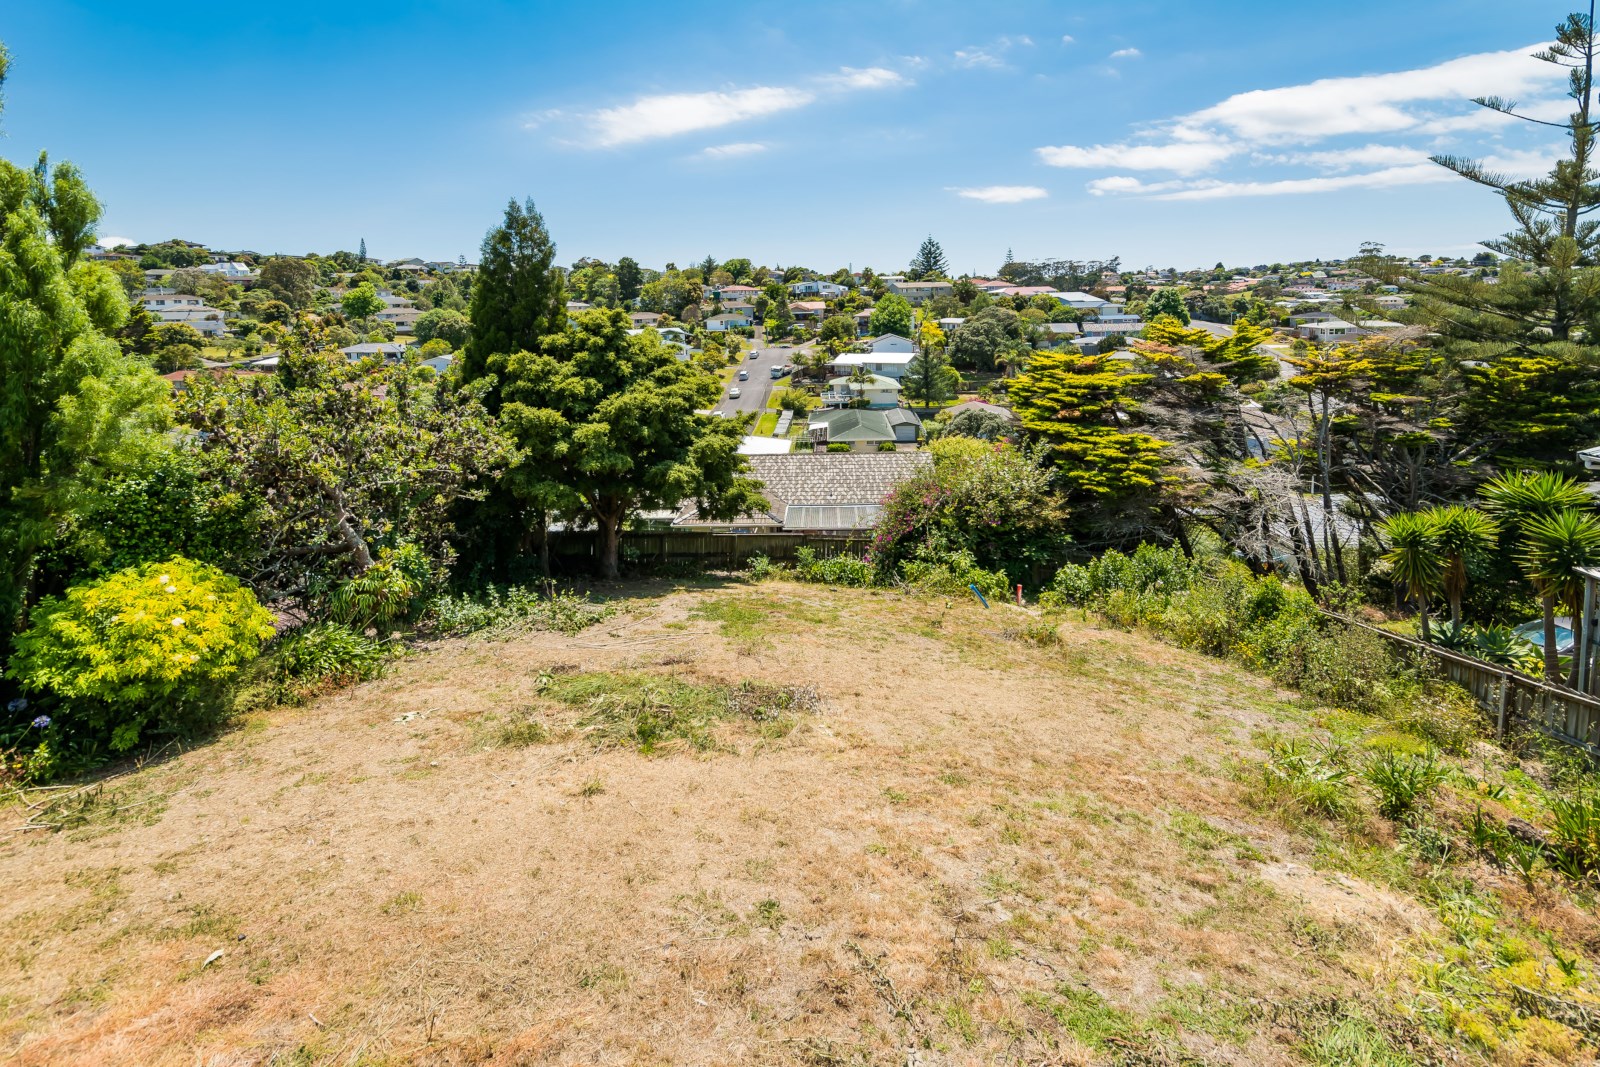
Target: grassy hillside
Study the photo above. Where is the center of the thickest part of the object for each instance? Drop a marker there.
(780, 824)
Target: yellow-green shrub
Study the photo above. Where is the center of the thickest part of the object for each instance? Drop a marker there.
(148, 646)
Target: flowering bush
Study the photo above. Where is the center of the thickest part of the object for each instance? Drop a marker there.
(153, 645)
(991, 502)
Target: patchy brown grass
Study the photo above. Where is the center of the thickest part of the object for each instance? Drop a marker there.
(978, 848)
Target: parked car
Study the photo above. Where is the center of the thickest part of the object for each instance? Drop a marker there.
(733, 393)
(1534, 633)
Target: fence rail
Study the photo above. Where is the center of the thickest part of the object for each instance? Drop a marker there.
(1510, 698)
(732, 549)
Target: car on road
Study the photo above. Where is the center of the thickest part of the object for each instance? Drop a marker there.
(754, 353)
(744, 376)
(733, 393)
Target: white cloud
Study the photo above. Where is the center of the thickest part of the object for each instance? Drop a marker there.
(1428, 105)
(1067, 38)
(650, 117)
(1126, 53)
(115, 242)
(730, 151)
(971, 58)
(1003, 194)
(1375, 103)
(669, 114)
(1188, 156)
(865, 78)
(1371, 155)
(1126, 184)
(1414, 174)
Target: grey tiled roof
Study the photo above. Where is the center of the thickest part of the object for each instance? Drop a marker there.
(807, 486)
(864, 424)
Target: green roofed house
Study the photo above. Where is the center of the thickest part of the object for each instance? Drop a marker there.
(817, 493)
(863, 429)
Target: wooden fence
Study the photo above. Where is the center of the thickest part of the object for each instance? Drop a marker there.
(1512, 699)
(672, 546)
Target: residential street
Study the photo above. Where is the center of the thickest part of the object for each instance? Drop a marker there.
(754, 392)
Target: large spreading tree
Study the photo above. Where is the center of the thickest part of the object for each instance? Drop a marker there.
(612, 425)
(73, 406)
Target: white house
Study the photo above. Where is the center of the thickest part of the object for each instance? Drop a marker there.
(920, 292)
(404, 319)
(888, 355)
(1328, 330)
(725, 322)
(1081, 301)
(229, 269)
(671, 336)
(880, 392)
(207, 320)
(826, 290)
(386, 350)
(168, 301)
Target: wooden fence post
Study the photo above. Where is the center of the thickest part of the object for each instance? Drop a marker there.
(1500, 713)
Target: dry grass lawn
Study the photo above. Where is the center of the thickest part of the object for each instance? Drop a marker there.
(981, 847)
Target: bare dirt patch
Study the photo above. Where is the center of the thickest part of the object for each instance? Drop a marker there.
(972, 849)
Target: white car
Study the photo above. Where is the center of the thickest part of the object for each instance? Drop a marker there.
(733, 393)
(744, 376)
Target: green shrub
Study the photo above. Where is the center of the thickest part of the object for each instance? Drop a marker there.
(388, 593)
(842, 569)
(1575, 830)
(511, 609)
(1402, 782)
(319, 657)
(952, 576)
(149, 648)
(761, 568)
(838, 446)
(1315, 779)
(886, 446)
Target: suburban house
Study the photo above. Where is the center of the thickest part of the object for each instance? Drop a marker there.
(949, 324)
(725, 322)
(575, 306)
(390, 351)
(732, 292)
(920, 292)
(1081, 301)
(1122, 325)
(1027, 292)
(812, 310)
(439, 364)
(404, 319)
(818, 493)
(1590, 458)
(742, 309)
(1328, 330)
(880, 392)
(826, 290)
(864, 429)
(980, 406)
(673, 337)
(888, 355)
(207, 320)
(863, 322)
(227, 270)
(1389, 302)
(1060, 333)
(641, 319)
(166, 301)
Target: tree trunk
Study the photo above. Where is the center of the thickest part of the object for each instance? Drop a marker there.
(609, 542)
(1427, 628)
(1577, 646)
(1552, 655)
(1455, 610)
(542, 518)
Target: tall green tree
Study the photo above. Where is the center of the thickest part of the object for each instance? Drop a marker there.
(294, 281)
(893, 315)
(74, 407)
(929, 262)
(929, 378)
(1166, 302)
(630, 278)
(1552, 551)
(611, 423)
(343, 458)
(518, 295)
(1462, 534)
(1525, 339)
(361, 303)
(1414, 558)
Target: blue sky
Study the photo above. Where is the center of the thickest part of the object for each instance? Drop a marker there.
(1174, 133)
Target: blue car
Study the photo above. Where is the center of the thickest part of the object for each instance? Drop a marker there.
(1534, 633)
